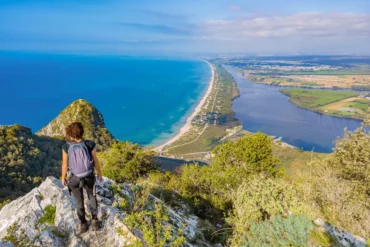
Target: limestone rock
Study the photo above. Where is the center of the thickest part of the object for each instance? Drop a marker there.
(48, 239)
(21, 219)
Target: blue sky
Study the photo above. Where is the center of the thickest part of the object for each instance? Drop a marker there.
(186, 26)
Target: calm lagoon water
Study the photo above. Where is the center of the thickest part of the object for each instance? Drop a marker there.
(144, 100)
(263, 108)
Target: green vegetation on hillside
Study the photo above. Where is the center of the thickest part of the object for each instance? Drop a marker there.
(254, 192)
(259, 200)
(153, 220)
(49, 215)
(312, 99)
(337, 187)
(243, 196)
(25, 160)
(126, 162)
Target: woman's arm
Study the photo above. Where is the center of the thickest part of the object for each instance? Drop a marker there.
(64, 166)
(96, 164)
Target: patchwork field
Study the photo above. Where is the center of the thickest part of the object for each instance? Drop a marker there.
(336, 103)
(356, 107)
(315, 98)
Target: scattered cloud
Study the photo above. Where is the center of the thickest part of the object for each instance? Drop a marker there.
(234, 8)
(297, 25)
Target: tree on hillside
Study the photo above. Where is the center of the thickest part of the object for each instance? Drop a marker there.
(352, 159)
(25, 159)
(252, 154)
(211, 186)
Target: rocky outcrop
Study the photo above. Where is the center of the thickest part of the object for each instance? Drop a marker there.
(20, 219)
(84, 112)
(342, 238)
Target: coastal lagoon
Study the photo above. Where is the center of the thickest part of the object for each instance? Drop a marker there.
(143, 100)
(263, 108)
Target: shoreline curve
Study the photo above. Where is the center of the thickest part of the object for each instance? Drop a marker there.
(187, 126)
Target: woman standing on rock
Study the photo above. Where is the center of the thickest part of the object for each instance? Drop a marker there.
(79, 161)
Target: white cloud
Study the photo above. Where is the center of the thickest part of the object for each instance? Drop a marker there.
(347, 25)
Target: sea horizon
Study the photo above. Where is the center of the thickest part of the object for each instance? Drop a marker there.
(143, 99)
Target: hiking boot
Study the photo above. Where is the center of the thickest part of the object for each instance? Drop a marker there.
(95, 225)
(83, 227)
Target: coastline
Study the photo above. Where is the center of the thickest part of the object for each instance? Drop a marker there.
(187, 126)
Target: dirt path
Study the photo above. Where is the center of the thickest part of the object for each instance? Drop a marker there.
(337, 105)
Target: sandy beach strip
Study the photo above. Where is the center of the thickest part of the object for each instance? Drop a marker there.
(187, 125)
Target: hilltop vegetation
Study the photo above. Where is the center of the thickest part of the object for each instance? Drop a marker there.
(26, 159)
(84, 112)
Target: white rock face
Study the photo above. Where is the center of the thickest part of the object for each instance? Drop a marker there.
(23, 215)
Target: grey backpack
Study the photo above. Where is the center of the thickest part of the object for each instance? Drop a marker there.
(81, 163)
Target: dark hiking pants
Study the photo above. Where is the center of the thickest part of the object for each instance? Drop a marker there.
(76, 185)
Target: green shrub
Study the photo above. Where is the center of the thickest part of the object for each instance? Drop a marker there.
(279, 232)
(156, 227)
(49, 215)
(233, 164)
(126, 162)
(24, 159)
(336, 187)
(251, 155)
(352, 159)
(152, 219)
(260, 200)
(10, 234)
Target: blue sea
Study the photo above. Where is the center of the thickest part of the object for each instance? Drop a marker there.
(145, 100)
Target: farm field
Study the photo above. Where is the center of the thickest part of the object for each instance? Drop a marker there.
(336, 103)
